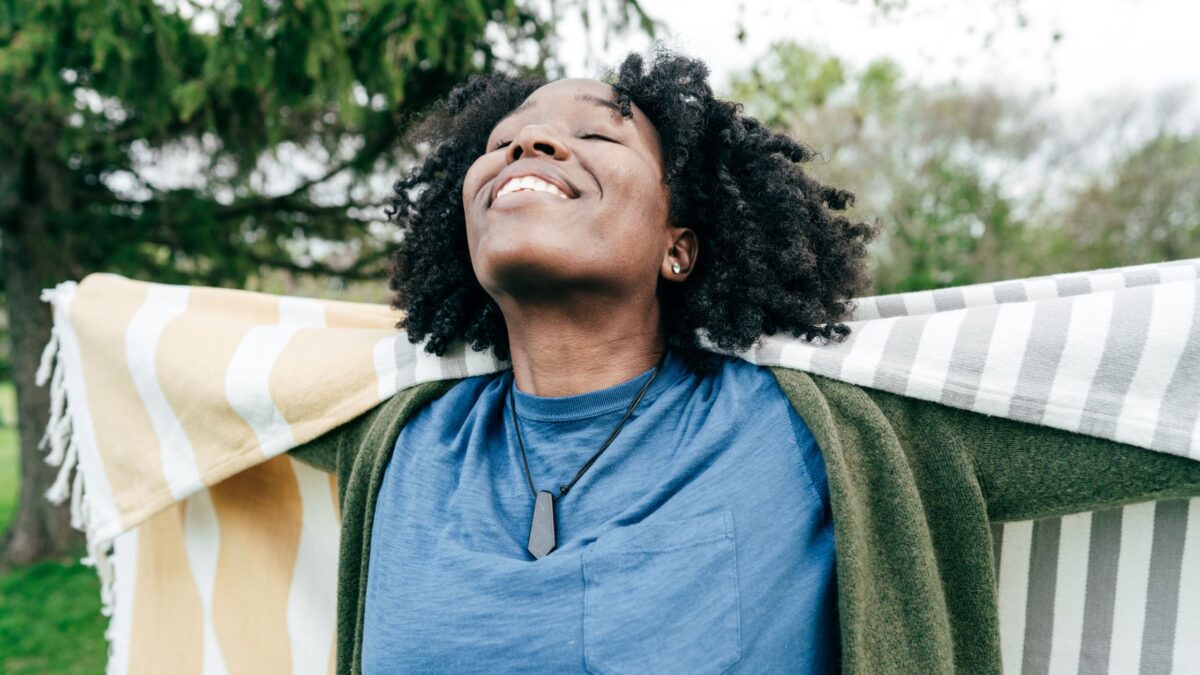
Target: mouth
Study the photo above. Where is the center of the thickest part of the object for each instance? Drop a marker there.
(532, 184)
(518, 197)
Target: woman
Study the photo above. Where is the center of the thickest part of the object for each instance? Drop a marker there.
(624, 499)
(599, 227)
(588, 233)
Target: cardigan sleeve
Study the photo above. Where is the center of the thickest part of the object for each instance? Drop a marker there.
(322, 452)
(914, 486)
(1030, 471)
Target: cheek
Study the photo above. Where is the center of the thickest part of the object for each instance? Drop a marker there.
(476, 175)
(641, 197)
(473, 182)
(644, 182)
(631, 225)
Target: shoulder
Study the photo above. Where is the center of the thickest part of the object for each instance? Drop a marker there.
(455, 408)
(459, 397)
(771, 414)
(736, 372)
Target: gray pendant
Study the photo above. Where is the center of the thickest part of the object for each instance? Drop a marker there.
(541, 532)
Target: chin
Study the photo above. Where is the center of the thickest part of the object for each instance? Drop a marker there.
(544, 273)
(526, 276)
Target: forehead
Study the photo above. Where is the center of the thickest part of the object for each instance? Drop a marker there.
(570, 91)
(577, 96)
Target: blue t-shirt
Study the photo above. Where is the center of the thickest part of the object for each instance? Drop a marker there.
(700, 541)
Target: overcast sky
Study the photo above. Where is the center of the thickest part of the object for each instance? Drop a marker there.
(1106, 47)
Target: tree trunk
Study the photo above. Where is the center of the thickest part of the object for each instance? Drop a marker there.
(40, 530)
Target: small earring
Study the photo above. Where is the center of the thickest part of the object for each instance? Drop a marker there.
(675, 268)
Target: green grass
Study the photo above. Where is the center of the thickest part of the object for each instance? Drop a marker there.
(8, 404)
(9, 453)
(9, 469)
(50, 619)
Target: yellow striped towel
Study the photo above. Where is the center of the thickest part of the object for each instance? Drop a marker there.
(177, 403)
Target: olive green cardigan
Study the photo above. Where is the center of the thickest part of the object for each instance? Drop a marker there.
(914, 485)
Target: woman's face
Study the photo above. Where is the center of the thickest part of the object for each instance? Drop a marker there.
(568, 196)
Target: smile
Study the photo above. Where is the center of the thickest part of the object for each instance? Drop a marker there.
(530, 184)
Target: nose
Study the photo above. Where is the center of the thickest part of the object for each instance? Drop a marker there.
(536, 139)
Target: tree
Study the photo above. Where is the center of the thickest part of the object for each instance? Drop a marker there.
(936, 164)
(976, 185)
(96, 98)
(1145, 207)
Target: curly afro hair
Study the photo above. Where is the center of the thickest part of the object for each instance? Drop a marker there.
(774, 254)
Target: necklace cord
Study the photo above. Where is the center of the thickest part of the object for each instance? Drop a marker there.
(512, 409)
(562, 490)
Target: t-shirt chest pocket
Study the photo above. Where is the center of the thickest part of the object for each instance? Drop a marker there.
(663, 597)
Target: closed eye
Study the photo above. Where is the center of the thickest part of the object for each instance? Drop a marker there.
(585, 136)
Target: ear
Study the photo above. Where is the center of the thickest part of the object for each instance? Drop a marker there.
(682, 249)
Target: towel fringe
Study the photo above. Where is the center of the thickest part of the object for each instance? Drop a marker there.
(58, 437)
(59, 491)
(59, 427)
(100, 557)
(77, 521)
(64, 452)
(48, 354)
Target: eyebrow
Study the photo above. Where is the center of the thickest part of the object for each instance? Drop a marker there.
(586, 98)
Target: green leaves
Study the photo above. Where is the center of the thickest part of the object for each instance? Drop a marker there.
(792, 79)
(974, 185)
(194, 99)
(189, 97)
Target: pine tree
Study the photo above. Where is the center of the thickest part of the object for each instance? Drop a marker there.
(96, 96)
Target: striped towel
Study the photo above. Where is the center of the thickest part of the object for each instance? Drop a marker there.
(177, 403)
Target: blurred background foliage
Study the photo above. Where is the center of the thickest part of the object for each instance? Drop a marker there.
(974, 184)
(243, 144)
(252, 144)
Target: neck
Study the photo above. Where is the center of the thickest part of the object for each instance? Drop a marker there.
(560, 351)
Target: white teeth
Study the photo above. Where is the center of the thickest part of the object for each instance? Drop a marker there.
(529, 183)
